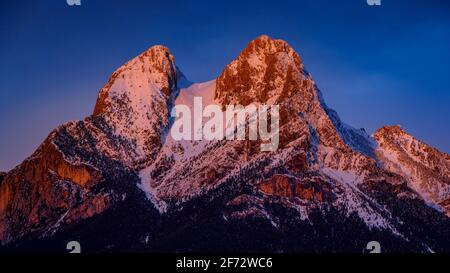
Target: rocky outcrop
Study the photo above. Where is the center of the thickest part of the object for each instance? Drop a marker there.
(48, 189)
(279, 185)
(310, 190)
(52, 160)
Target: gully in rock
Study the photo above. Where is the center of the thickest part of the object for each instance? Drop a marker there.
(236, 118)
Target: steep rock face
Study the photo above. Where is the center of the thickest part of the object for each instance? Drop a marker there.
(46, 190)
(277, 75)
(266, 71)
(426, 169)
(310, 190)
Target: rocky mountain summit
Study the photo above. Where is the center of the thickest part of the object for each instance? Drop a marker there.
(118, 181)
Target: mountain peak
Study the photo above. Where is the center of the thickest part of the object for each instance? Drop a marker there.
(159, 48)
(135, 101)
(396, 130)
(156, 59)
(426, 168)
(265, 70)
(153, 69)
(265, 45)
(155, 55)
(263, 37)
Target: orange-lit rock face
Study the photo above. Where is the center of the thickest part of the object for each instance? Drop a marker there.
(269, 71)
(5, 196)
(52, 160)
(278, 185)
(45, 187)
(308, 190)
(265, 70)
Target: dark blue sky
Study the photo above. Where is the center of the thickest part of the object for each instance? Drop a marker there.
(375, 65)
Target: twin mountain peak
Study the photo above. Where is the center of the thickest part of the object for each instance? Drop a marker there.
(123, 153)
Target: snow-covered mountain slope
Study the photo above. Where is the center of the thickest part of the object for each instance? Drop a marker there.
(325, 180)
(426, 169)
(136, 101)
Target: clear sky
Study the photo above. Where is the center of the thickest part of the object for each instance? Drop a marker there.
(376, 66)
